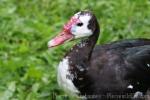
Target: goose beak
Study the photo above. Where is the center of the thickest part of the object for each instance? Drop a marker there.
(65, 35)
(60, 39)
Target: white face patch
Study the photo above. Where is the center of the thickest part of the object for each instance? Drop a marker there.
(130, 87)
(82, 31)
(65, 78)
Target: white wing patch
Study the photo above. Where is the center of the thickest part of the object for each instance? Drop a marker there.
(63, 81)
(148, 65)
(138, 94)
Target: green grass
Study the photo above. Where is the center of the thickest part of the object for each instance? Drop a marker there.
(27, 67)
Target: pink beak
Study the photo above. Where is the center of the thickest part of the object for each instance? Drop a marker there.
(64, 35)
(60, 39)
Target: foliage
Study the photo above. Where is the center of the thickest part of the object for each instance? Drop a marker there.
(27, 67)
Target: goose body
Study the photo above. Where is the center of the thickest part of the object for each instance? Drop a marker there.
(107, 71)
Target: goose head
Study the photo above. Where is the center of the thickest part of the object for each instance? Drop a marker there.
(82, 24)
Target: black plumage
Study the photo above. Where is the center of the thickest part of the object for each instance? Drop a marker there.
(107, 70)
(116, 71)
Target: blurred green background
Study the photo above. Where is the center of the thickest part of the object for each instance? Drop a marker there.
(27, 67)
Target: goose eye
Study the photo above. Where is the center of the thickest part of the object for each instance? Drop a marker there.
(80, 24)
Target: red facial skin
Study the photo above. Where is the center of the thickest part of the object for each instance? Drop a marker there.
(65, 34)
